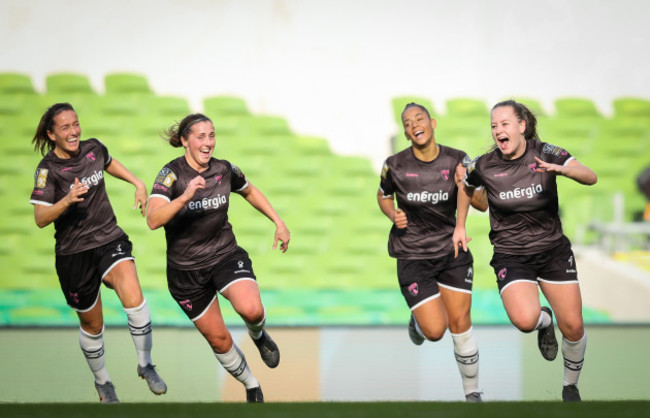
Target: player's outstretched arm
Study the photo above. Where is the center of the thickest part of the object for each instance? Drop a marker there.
(257, 200)
(118, 170)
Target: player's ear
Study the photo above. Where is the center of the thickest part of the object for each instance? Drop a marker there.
(434, 123)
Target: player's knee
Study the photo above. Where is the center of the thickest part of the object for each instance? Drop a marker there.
(220, 343)
(251, 313)
(458, 325)
(433, 333)
(525, 324)
(573, 331)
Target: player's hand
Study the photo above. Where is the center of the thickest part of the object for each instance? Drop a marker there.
(548, 167)
(459, 174)
(283, 236)
(399, 219)
(140, 199)
(195, 184)
(460, 240)
(78, 189)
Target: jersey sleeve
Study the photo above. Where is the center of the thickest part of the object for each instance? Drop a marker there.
(238, 181)
(472, 177)
(105, 153)
(555, 155)
(43, 192)
(386, 185)
(162, 186)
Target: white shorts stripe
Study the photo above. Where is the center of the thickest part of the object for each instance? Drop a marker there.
(417, 305)
(235, 281)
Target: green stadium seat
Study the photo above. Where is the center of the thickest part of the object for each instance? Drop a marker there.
(534, 105)
(309, 146)
(174, 108)
(576, 107)
(125, 104)
(267, 125)
(631, 107)
(126, 83)
(399, 103)
(218, 106)
(465, 107)
(16, 83)
(68, 83)
(576, 135)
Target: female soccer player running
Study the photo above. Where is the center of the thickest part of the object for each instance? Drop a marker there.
(530, 249)
(190, 198)
(90, 249)
(437, 287)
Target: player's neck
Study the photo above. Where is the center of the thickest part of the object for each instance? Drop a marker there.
(427, 153)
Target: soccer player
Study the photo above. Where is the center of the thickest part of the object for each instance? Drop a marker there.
(190, 198)
(437, 287)
(530, 249)
(90, 248)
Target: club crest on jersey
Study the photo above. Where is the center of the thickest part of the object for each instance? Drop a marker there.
(553, 150)
(40, 178)
(218, 179)
(413, 289)
(236, 170)
(445, 174)
(91, 156)
(166, 177)
(532, 167)
(384, 170)
(471, 165)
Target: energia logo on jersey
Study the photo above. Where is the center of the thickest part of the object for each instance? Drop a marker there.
(519, 192)
(92, 180)
(208, 203)
(426, 197)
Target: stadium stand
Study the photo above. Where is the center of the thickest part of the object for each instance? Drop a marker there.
(68, 83)
(337, 270)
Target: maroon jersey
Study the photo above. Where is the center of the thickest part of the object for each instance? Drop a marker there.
(523, 202)
(84, 225)
(199, 235)
(426, 192)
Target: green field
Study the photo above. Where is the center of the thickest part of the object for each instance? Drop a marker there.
(336, 409)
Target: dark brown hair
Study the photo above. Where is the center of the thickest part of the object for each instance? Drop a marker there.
(523, 113)
(182, 129)
(419, 106)
(41, 139)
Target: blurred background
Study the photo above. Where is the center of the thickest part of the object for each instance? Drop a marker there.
(306, 97)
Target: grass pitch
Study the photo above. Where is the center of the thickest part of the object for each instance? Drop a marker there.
(595, 409)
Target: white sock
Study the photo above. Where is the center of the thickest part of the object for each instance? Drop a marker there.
(235, 363)
(544, 320)
(140, 327)
(93, 348)
(574, 357)
(466, 352)
(255, 330)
